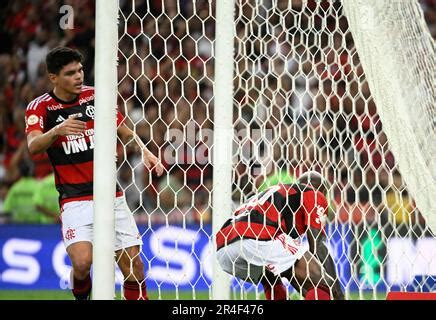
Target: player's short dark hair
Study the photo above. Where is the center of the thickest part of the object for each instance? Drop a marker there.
(59, 57)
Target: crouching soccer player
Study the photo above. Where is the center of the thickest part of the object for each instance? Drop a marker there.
(262, 241)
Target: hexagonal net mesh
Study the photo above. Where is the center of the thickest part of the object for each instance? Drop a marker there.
(301, 102)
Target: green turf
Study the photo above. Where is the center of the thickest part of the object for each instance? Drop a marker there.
(153, 295)
(66, 295)
(35, 295)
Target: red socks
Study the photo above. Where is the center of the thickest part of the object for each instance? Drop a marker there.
(82, 288)
(132, 289)
(135, 291)
(322, 292)
(278, 292)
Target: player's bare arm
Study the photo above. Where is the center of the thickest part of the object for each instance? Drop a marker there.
(317, 245)
(39, 142)
(152, 162)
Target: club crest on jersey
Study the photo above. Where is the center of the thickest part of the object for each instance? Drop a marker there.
(90, 111)
(33, 119)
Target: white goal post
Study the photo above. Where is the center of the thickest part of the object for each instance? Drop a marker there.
(223, 133)
(237, 95)
(106, 38)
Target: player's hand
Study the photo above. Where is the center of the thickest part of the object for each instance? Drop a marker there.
(71, 126)
(152, 162)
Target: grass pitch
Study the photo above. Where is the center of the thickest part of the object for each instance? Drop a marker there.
(156, 295)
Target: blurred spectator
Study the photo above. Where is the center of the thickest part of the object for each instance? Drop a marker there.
(370, 231)
(15, 146)
(363, 208)
(38, 49)
(20, 200)
(46, 199)
(406, 218)
(4, 189)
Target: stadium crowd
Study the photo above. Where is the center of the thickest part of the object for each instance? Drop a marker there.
(295, 91)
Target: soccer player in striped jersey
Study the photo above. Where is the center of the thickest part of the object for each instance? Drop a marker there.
(61, 123)
(262, 241)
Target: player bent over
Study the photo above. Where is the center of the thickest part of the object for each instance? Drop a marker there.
(262, 241)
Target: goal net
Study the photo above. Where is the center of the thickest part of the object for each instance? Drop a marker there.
(345, 88)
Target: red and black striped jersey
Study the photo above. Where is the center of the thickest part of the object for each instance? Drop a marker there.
(72, 157)
(281, 209)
